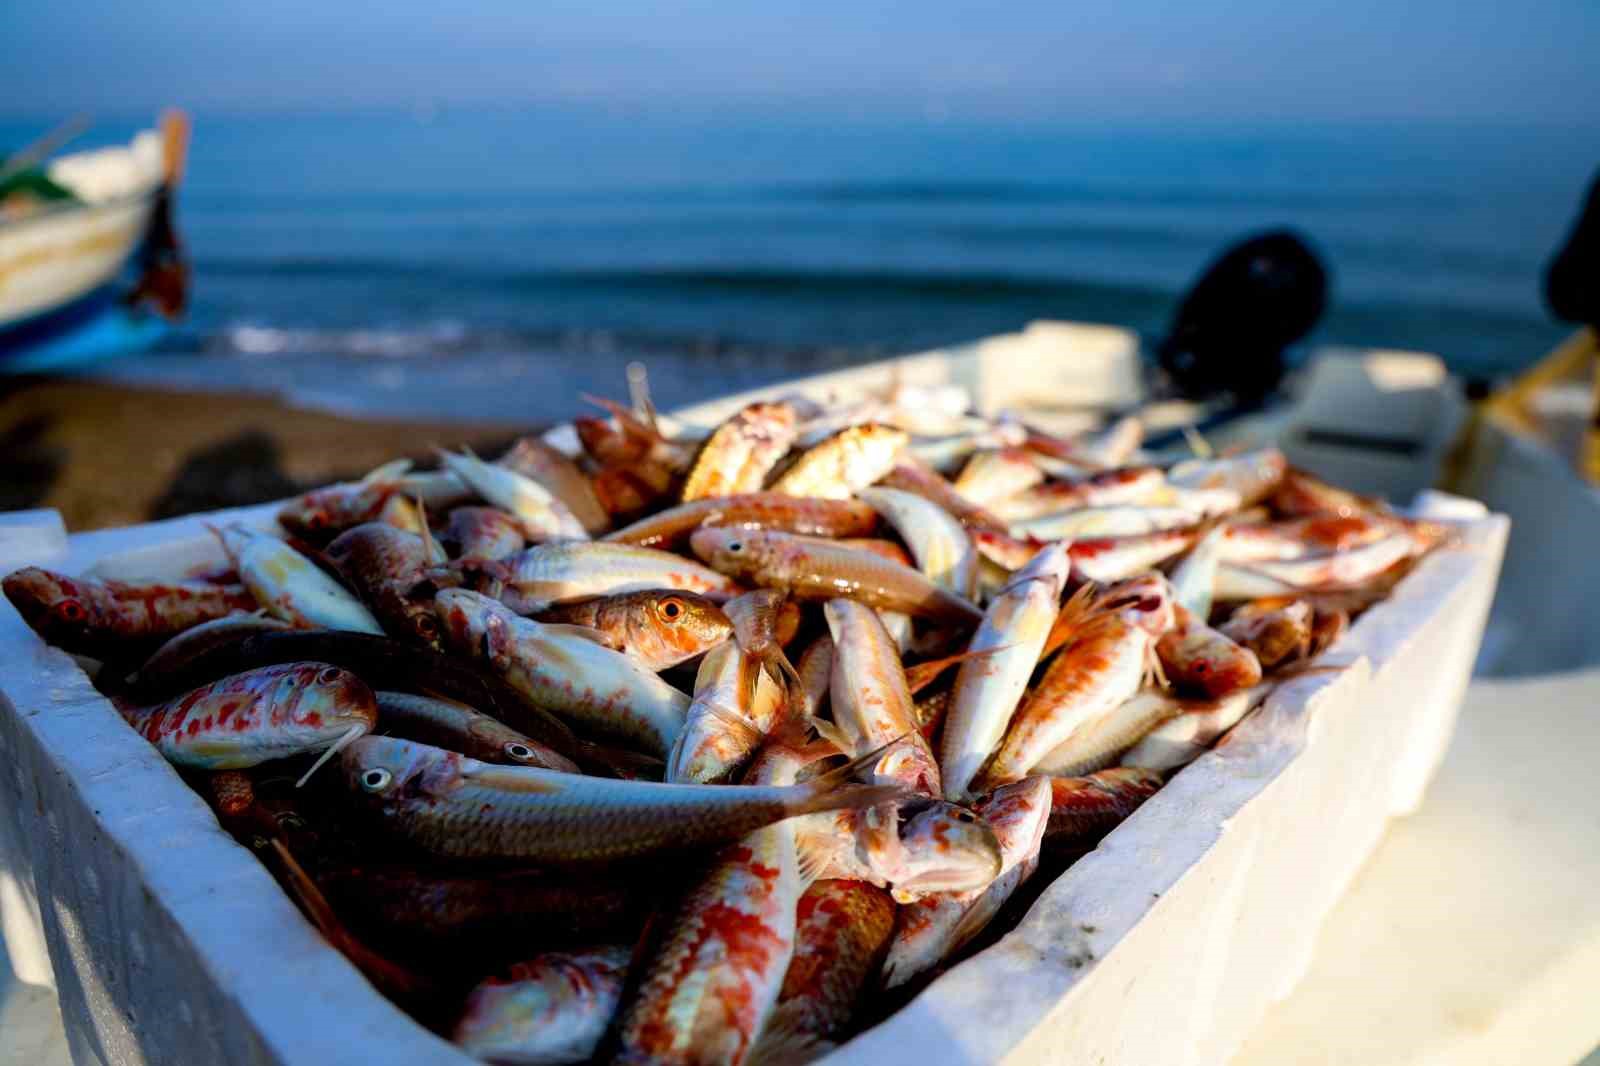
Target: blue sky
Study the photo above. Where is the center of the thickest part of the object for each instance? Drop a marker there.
(1083, 60)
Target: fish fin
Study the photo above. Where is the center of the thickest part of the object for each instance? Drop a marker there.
(839, 788)
(630, 423)
(431, 547)
(786, 677)
(834, 735)
(622, 763)
(639, 395)
(1076, 612)
(814, 853)
(735, 723)
(1197, 442)
(923, 674)
(390, 471)
(222, 539)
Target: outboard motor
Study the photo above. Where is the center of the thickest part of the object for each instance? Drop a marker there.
(1231, 330)
(1572, 280)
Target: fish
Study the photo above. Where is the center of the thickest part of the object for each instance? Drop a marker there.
(253, 717)
(815, 569)
(292, 587)
(1097, 744)
(909, 477)
(845, 463)
(1194, 579)
(441, 913)
(733, 710)
(944, 847)
(1120, 486)
(566, 670)
(1274, 629)
(1300, 494)
(815, 668)
(1111, 446)
(550, 1010)
(671, 528)
(326, 512)
(175, 658)
(1202, 661)
(563, 571)
(107, 619)
(388, 568)
(870, 701)
(1249, 542)
(707, 993)
(842, 931)
(539, 510)
(658, 628)
(1183, 739)
(1084, 809)
(933, 929)
(1332, 569)
(763, 622)
(1097, 559)
(741, 452)
(1251, 476)
(404, 667)
(988, 687)
(1116, 520)
(1102, 665)
(557, 472)
(483, 533)
(990, 476)
(1328, 624)
(453, 807)
(871, 707)
(947, 451)
(457, 727)
(937, 539)
(408, 516)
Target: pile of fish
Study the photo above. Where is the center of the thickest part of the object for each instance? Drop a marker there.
(713, 745)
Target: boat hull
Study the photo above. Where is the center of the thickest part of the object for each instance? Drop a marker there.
(57, 268)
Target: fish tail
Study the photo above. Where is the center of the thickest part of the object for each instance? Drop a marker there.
(391, 978)
(839, 788)
(783, 1043)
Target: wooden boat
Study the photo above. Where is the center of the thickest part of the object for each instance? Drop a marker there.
(63, 263)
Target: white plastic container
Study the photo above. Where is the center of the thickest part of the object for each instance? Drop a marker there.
(170, 943)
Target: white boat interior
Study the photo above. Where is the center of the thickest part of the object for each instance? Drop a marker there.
(1473, 934)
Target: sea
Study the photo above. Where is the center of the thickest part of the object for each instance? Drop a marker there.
(496, 262)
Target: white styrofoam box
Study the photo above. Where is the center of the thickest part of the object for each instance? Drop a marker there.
(1074, 364)
(171, 943)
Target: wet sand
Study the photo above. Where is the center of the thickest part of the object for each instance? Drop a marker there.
(111, 455)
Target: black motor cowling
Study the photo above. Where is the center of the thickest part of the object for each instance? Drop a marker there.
(1256, 299)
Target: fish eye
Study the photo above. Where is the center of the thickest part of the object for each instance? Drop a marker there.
(376, 780)
(427, 626)
(965, 816)
(71, 611)
(735, 546)
(519, 751)
(671, 610)
(328, 675)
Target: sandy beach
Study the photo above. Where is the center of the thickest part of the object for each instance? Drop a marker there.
(110, 455)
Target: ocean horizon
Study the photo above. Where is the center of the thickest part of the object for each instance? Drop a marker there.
(495, 262)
